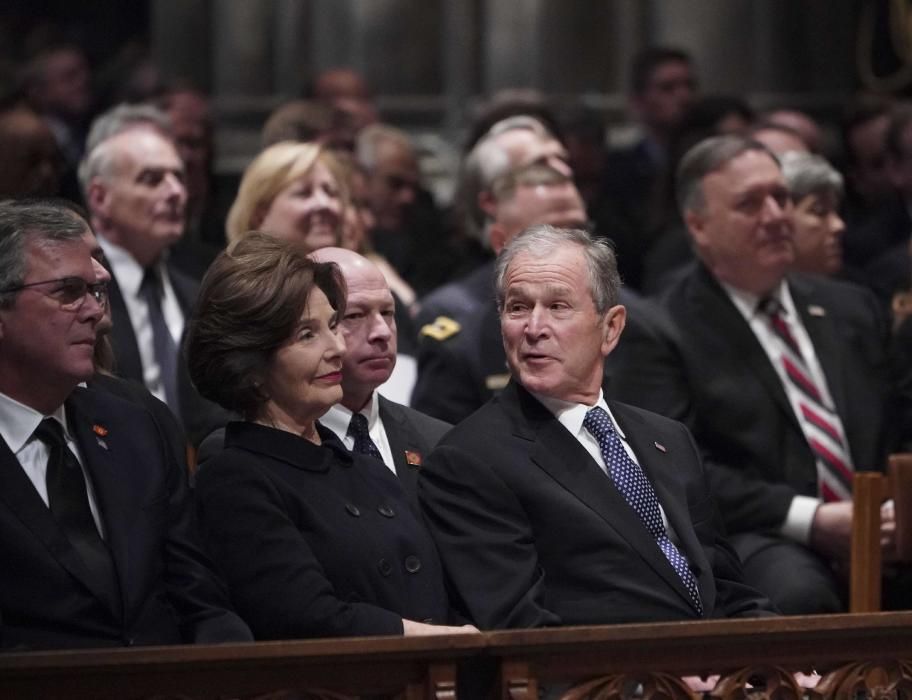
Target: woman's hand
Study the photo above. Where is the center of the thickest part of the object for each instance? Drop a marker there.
(410, 628)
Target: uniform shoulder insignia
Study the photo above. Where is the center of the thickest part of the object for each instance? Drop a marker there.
(442, 328)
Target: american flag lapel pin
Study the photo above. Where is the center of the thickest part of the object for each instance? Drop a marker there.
(660, 447)
(413, 458)
(815, 310)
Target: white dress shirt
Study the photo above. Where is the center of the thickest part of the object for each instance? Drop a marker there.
(18, 423)
(571, 416)
(338, 419)
(129, 275)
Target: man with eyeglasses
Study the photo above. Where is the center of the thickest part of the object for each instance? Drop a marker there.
(96, 533)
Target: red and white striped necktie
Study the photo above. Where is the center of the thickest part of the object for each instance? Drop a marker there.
(817, 416)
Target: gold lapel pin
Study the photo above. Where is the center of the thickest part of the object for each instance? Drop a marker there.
(413, 458)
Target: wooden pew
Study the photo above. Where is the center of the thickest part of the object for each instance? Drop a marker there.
(756, 658)
(870, 490)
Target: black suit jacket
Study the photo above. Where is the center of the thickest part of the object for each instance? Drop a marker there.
(532, 532)
(313, 540)
(199, 417)
(713, 374)
(411, 435)
(169, 593)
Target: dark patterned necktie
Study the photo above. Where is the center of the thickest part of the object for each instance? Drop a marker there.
(69, 503)
(818, 418)
(357, 429)
(633, 485)
(162, 341)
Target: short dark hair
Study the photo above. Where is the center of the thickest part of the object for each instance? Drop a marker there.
(250, 303)
(646, 61)
(541, 240)
(709, 156)
(23, 220)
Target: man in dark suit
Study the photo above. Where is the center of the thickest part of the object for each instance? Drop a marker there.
(133, 180)
(401, 436)
(551, 505)
(781, 377)
(95, 528)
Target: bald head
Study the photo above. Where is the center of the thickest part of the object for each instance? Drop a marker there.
(369, 326)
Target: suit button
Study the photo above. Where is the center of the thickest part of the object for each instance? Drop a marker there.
(412, 564)
(384, 567)
(387, 512)
(352, 510)
(129, 641)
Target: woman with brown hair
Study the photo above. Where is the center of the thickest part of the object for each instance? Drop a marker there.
(313, 540)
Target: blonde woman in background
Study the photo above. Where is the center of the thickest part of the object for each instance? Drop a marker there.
(294, 191)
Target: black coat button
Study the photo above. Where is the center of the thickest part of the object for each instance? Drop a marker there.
(412, 564)
(384, 567)
(386, 512)
(352, 509)
(129, 641)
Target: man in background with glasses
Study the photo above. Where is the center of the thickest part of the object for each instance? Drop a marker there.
(96, 534)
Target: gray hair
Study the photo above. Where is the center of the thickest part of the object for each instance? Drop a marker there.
(709, 156)
(541, 240)
(97, 160)
(25, 220)
(487, 162)
(807, 173)
(372, 136)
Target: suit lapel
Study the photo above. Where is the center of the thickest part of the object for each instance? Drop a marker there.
(401, 440)
(560, 455)
(101, 453)
(659, 466)
(18, 495)
(826, 343)
(715, 310)
(123, 340)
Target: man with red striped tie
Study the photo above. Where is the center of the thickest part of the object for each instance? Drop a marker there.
(782, 377)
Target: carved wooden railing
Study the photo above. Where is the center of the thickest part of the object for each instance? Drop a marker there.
(855, 656)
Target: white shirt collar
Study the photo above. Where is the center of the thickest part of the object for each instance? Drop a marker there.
(18, 422)
(571, 415)
(338, 417)
(746, 302)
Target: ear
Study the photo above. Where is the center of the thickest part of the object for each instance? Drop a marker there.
(696, 224)
(497, 237)
(613, 323)
(487, 203)
(98, 196)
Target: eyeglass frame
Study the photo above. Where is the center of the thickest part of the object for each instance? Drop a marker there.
(98, 290)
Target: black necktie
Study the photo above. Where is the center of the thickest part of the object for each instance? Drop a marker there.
(363, 443)
(162, 341)
(69, 504)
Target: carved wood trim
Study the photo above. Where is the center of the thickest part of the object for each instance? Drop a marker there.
(643, 686)
(517, 682)
(873, 679)
(758, 683)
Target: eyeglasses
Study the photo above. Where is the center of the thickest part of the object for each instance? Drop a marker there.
(69, 291)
